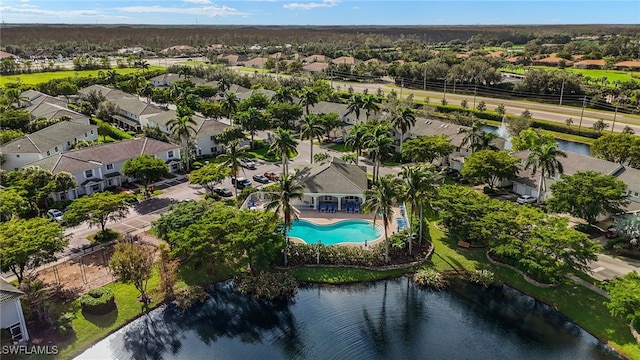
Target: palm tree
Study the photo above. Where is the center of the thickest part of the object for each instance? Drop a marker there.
(308, 97)
(403, 120)
(370, 104)
(289, 188)
(485, 143)
(545, 159)
(183, 127)
(183, 95)
(380, 200)
(250, 121)
(355, 139)
(185, 70)
(473, 135)
(111, 77)
(311, 129)
(285, 146)
(64, 182)
(283, 95)
(419, 185)
(378, 142)
(231, 158)
(230, 104)
(146, 90)
(223, 85)
(354, 106)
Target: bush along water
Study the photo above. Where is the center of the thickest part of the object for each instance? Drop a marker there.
(98, 301)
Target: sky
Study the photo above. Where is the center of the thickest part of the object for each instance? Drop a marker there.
(320, 12)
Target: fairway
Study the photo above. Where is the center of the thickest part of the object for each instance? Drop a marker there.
(596, 74)
(36, 78)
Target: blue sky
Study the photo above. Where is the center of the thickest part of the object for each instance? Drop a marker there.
(320, 12)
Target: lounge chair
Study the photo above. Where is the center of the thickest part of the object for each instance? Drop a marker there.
(348, 208)
(319, 207)
(326, 208)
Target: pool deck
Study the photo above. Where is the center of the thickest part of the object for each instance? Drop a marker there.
(322, 218)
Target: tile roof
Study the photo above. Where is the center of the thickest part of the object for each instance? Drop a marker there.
(135, 106)
(48, 138)
(316, 58)
(8, 292)
(333, 177)
(89, 158)
(428, 127)
(164, 117)
(315, 66)
(108, 93)
(575, 162)
(631, 177)
(211, 127)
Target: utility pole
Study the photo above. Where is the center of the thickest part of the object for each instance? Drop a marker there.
(401, 87)
(584, 102)
(614, 117)
(424, 84)
(277, 71)
(331, 77)
(562, 91)
(475, 90)
(444, 91)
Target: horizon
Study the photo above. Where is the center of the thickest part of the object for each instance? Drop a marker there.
(319, 13)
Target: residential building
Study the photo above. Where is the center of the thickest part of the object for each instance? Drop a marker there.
(108, 93)
(589, 64)
(316, 58)
(628, 65)
(205, 137)
(315, 67)
(162, 119)
(235, 59)
(631, 177)
(131, 110)
(99, 167)
(166, 80)
(46, 142)
(11, 315)
(326, 107)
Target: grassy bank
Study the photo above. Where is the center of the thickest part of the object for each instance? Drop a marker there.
(40, 77)
(336, 276)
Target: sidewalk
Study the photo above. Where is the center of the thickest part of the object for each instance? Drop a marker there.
(588, 285)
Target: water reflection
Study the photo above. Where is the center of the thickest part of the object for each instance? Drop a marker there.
(563, 145)
(391, 319)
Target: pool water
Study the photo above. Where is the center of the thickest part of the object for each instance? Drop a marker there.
(347, 231)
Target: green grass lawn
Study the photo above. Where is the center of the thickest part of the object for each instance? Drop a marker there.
(340, 148)
(246, 68)
(343, 275)
(611, 75)
(40, 77)
(262, 153)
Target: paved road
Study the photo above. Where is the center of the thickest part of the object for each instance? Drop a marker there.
(606, 267)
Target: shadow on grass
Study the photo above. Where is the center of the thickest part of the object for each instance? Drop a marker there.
(203, 275)
(102, 321)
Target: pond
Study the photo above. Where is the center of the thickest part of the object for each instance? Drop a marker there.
(564, 145)
(392, 319)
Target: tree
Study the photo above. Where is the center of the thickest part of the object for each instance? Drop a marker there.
(568, 122)
(64, 182)
(311, 129)
(289, 188)
(167, 269)
(320, 157)
(370, 105)
(36, 183)
(146, 168)
(283, 94)
(14, 119)
(66, 89)
(153, 132)
(490, 166)
(464, 104)
(378, 143)
(427, 148)
(530, 139)
(354, 105)
(380, 200)
(473, 135)
(600, 125)
(29, 243)
(458, 208)
(329, 122)
(285, 146)
(623, 149)
(98, 209)
(133, 264)
(209, 176)
(403, 119)
(229, 105)
(283, 115)
(350, 158)
(500, 109)
(356, 139)
(544, 158)
(12, 203)
(517, 125)
(308, 97)
(418, 189)
(9, 135)
(252, 121)
(482, 106)
(624, 296)
(231, 159)
(588, 194)
(106, 109)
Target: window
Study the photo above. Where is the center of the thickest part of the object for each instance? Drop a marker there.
(88, 173)
(85, 134)
(328, 198)
(48, 153)
(95, 187)
(68, 143)
(56, 149)
(170, 154)
(16, 332)
(91, 132)
(636, 194)
(213, 138)
(17, 155)
(109, 166)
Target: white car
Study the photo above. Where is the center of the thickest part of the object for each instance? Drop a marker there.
(247, 163)
(55, 214)
(526, 199)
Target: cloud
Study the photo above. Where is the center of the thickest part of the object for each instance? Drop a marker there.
(32, 10)
(199, 2)
(210, 11)
(312, 5)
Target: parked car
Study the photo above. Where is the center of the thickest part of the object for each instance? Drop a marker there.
(526, 199)
(241, 182)
(451, 171)
(611, 232)
(224, 192)
(261, 179)
(272, 176)
(54, 214)
(247, 163)
(339, 141)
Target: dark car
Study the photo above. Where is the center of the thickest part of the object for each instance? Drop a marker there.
(223, 192)
(261, 179)
(272, 175)
(241, 183)
(451, 171)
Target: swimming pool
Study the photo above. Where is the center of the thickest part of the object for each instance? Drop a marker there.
(346, 231)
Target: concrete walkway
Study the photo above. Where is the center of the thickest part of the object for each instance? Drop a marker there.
(588, 285)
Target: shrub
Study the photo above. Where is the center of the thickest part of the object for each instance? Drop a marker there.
(98, 301)
(111, 131)
(300, 254)
(64, 323)
(430, 278)
(191, 296)
(267, 285)
(103, 236)
(485, 278)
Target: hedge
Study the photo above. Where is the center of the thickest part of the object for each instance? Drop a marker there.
(98, 301)
(113, 132)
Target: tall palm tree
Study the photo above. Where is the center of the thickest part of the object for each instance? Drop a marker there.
(308, 97)
(223, 85)
(285, 146)
(289, 188)
(485, 142)
(311, 129)
(185, 70)
(380, 200)
(355, 139)
(419, 185)
(230, 104)
(183, 95)
(370, 104)
(403, 120)
(183, 127)
(111, 77)
(147, 90)
(473, 135)
(354, 105)
(378, 142)
(231, 158)
(283, 95)
(544, 158)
